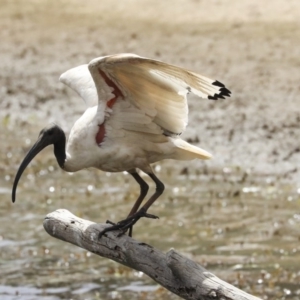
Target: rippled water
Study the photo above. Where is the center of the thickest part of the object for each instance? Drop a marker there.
(243, 227)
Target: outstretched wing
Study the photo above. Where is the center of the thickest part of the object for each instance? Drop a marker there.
(80, 80)
(156, 89)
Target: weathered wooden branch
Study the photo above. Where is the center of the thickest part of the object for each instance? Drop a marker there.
(173, 271)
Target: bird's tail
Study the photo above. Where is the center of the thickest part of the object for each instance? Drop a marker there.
(186, 151)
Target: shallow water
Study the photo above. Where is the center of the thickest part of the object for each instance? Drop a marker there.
(243, 227)
(238, 215)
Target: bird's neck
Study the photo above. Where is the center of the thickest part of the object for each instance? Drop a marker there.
(60, 151)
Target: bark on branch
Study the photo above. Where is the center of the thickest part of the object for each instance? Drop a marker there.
(173, 271)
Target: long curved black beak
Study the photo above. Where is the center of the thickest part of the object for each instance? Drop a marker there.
(39, 145)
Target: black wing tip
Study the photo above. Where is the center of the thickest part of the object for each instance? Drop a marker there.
(224, 92)
(218, 83)
(219, 96)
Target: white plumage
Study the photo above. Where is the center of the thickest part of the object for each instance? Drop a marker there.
(136, 110)
(150, 112)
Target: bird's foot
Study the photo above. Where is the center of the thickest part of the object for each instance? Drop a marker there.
(110, 222)
(127, 223)
(130, 221)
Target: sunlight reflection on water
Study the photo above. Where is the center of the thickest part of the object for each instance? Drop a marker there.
(228, 224)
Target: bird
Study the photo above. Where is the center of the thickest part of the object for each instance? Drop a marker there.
(136, 110)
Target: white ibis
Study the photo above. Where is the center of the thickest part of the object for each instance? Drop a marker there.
(136, 110)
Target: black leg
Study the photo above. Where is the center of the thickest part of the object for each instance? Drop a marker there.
(144, 190)
(159, 190)
(143, 211)
(144, 187)
(133, 217)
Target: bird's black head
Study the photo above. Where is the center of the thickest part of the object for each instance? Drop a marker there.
(52, 134)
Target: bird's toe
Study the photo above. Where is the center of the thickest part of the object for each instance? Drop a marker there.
(110, 222)
(150, 216)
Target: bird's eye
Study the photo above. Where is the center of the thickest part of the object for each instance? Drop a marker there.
(50, 132)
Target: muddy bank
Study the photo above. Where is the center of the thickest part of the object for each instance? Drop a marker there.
(256, 57)
(237, 214)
